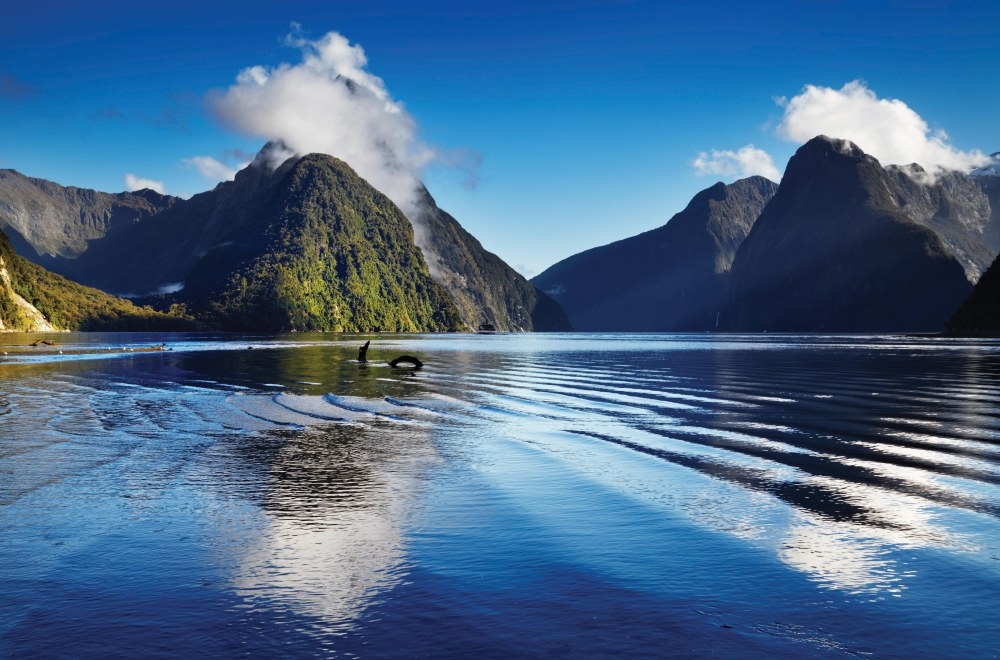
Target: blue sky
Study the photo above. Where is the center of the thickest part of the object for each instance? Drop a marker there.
(556, 127)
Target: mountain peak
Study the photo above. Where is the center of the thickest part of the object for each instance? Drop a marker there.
(834, 251)
(824, 160)
(823, 144)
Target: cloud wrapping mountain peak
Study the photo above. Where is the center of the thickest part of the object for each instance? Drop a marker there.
(748, 161)
(885, 128)
(329, 103)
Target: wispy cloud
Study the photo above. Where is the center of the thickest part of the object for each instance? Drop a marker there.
(132, 183)
(748, 161)
(888, 129)
(330, 103)
(212, 169)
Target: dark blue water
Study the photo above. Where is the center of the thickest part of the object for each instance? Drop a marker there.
(520, 496)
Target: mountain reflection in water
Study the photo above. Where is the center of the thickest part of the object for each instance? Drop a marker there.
(521, 495)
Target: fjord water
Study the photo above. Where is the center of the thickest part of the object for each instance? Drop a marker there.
(520, 496)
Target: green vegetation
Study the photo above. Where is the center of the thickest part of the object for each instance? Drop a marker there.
(67, 305)
(308, 246)
(321, 250)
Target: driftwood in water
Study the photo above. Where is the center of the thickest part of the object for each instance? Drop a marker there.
(402, 359)
(406, 359)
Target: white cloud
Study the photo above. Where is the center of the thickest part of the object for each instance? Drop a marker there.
(212, 169)
(748, 161)
(132, 183)
(329, 103)
(888, 129)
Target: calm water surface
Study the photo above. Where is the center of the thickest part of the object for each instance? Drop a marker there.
(520, 496)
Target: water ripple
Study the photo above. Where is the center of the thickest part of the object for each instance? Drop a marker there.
(650, 475)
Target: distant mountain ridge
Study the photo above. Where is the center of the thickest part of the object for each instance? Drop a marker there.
(51, 223)
(674, 278)
(992, 168)
(842, 245)
(307, 246)
(846, 245)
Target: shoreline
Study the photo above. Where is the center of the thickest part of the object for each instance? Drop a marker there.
(54, 349)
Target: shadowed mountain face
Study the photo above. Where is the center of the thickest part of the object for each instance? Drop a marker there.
(157, 255)
(835, 251)
(979, 314)
(673, 278)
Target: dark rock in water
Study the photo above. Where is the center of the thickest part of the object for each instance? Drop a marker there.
(979, 314)
(673, 278)
(834, 252)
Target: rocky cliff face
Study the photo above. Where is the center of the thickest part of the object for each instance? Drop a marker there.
(836, 251)
(956, 207)
(673, 278)
(16, 313)
(484, 288)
